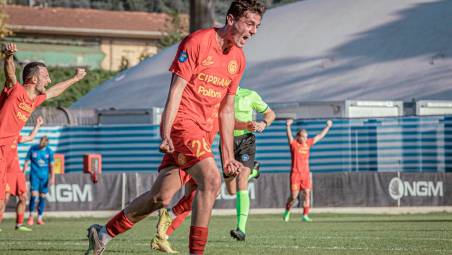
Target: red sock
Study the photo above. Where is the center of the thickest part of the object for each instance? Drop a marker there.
(118, 224)
(184, 205)
(20, 218)
(198, 239)
(306, 210)
(177, 222)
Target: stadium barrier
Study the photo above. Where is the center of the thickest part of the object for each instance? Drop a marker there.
(408, 144)
(113, 191)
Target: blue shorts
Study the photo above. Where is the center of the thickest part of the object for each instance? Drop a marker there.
(39, 184)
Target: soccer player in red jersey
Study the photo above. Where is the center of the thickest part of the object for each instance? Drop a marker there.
(206, 72)
(17, 102)
(246, 102)
(16, 185)
(300, 178)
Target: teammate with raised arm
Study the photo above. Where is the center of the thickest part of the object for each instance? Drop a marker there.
(300, 179)
(18, 101)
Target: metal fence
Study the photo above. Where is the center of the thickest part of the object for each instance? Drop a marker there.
(408, 144)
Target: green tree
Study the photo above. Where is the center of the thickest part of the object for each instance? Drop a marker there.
(4, 31)
(92, 79)
(175, 32)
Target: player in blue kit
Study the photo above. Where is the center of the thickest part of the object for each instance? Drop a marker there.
(41, 158)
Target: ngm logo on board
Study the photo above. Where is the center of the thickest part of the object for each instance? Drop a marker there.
(399, 188)
(70, 193)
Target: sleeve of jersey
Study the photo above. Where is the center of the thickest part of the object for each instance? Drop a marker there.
(186, 59)
(19, 139)
(258, 104)
(7, 91)
(310, 142)
(232, 90)
(40, 99)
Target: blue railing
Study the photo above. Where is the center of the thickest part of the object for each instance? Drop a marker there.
(409, 144)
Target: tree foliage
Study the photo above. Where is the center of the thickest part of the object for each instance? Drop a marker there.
(167, 6)
(4, 31)
(57, 74)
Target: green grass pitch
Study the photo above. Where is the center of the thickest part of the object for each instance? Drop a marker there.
(266, 234)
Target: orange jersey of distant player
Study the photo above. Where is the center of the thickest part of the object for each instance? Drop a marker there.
(15, 109)
(211, 74)
(300, 156)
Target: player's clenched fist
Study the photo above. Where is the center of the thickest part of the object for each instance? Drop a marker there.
(39, 121)
(167, 145)
(232, 168)
(329, 123)
(80, 74)
(9, 49)
(289, 122)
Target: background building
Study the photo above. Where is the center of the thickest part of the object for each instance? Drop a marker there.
(110, 40)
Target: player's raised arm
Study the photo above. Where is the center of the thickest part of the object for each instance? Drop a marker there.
(31, 136)
(9, 50)
(60, 87)
(289, 130)
(325, 130)
(169, 113)
(27, 160)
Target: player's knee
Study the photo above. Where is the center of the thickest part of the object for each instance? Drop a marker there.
(243, 176)
(161, 200)
(231, 192)
(23, 199)
(212, 184)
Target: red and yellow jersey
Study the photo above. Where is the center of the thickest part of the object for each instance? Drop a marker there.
(15, 109)
(13, 156)
(210, 73)
(300, 156)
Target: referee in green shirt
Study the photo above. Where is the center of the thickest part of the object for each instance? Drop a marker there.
(246, 103)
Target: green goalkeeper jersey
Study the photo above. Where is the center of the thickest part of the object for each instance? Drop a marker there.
(247, 101)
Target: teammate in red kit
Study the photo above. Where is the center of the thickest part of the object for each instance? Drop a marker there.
(246, 103)
(16, 185)
(17, 102)
(206, 72)
(300, 178)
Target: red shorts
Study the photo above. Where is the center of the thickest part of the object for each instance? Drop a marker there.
(300, 181)
(191, 145)
(16, 184)
(3, 164)
(15, 179)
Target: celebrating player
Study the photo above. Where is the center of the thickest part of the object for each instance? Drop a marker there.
(15, 177)
(206, 72)
(300, 178)
(246, 102)
(17, 102)
(41, 158)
